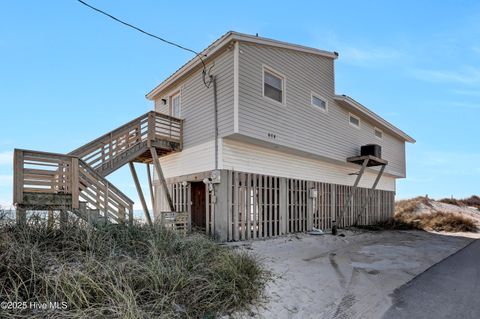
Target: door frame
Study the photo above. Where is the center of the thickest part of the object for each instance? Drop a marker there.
(194, 186)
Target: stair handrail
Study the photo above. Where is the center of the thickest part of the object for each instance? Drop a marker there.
(57, 173)
(110, 185)
(64, 169)
(147, 127)
(43, 173)
(108, 135)
(112, 196)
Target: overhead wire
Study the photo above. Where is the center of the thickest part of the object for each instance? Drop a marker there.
(205, 72)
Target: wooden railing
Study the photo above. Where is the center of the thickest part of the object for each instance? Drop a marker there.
(51, 173)
(102, 195)
(75, 174)
(41, 172)
(150, 126)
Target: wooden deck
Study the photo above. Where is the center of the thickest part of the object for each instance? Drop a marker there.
(76, 181)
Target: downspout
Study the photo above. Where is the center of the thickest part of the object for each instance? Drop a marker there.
(215, 107)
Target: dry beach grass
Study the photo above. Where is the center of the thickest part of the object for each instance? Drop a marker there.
(121, 272)
(472, 201)
(139, 272)
(424, 214)
(438, 221)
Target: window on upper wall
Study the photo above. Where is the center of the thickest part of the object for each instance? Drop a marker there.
(354, 120)
(319, 102)
(273, 85)
(176, 108)
(378, 133)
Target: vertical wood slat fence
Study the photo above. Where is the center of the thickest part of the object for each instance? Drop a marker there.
(255, 207)
(262, 206)
(181, 197)
(180, 193)
(209, 212)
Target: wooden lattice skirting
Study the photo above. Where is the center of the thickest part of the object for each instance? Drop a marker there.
(262, 206)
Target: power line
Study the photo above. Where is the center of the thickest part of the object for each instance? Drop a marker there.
(199, 55)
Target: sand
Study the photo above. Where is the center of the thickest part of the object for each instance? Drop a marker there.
(344, 277)
(436, 206)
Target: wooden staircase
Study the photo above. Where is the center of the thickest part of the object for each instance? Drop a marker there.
(76, 182)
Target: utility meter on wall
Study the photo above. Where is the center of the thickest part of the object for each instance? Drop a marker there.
(215, 177)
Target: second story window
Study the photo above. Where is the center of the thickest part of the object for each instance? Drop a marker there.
(273, 86)
(176, 106)
(319, 102)
(378, 133)
(354, 120)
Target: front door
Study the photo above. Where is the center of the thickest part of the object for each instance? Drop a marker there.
(198, 204)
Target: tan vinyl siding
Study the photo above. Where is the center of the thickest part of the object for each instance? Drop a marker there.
(195, 159)
(246, 157)
(162, 108)
(299, 125)
(197, 102)
(198, 158)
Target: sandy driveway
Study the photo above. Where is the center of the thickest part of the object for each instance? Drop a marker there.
(345, 277)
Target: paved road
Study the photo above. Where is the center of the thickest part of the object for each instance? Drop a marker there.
(450, 289)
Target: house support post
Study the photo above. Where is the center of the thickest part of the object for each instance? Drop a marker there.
(370, 194)
(140, 193)
(130, 215)
(21, 216)
(121, 215)
(221, 200)
(310, 205)
(189, 207)
(50, 219)
(333, 203)
(161, 177)
(92, 216)
(283, 205)
(349, 197)
(150, 184)
(63, 218)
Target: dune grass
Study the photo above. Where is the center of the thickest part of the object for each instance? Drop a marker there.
(406, 218)
(434, 220)
(410, 205)
(437, 221)
(123, 272)
(472, 201)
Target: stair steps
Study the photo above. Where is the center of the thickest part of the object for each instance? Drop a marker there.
(76, 181)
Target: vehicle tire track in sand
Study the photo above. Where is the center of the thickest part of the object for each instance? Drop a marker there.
(334, 264)
(343, 309)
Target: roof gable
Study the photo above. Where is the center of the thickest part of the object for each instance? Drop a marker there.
(226, 39)
(221, 43)
(349, 103)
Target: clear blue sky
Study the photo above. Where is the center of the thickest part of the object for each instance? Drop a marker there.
(68, 74)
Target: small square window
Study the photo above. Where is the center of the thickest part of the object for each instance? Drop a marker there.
(273, 86)
(378, 133)
(319, 102)
(354, 121)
